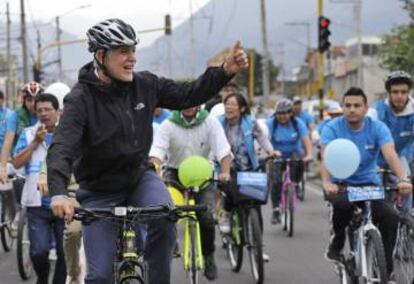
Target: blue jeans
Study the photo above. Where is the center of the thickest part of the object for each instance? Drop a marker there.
(100, 236)
(42, 224)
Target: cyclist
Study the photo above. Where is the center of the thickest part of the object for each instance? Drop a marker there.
(334, 110)
(397, 112)
(206, 135)
(30, 152)
(72, 234)
(241, 131)
(305, 116)
(107, 129)
(215, 106)
(160, 115)
(290, 137)
(371, 137)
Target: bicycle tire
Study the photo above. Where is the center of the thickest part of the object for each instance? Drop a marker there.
(288, 211)
(404, 252)
(375, 254)
(193, 272)
(6, 218)
(24, 262)
(235, 242)
(255, 247)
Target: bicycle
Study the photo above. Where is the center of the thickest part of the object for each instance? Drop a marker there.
(364, 256)
(129, 266)
(7, 215)
(403, 255)
(192, 255)
(289, 195)
(245, 222)
(302, 186)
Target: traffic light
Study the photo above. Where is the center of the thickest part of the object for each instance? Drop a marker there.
(168, 24)
(324, 33)
(37, 74)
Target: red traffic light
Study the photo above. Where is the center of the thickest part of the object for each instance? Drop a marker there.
(324, 22)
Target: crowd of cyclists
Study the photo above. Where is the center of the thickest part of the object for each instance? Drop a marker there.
(99, 144)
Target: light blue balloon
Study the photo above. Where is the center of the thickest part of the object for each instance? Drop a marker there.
(341, 158)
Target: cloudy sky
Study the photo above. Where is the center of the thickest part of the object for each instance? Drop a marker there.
(142, 14)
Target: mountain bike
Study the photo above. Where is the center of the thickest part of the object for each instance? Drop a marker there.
(364, 256)
(129, 266)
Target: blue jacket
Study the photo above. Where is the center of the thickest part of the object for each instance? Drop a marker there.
(401, 127)
(247, 123)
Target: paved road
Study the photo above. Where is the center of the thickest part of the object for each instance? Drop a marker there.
(293, 260)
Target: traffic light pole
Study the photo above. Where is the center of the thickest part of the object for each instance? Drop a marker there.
(321, 79)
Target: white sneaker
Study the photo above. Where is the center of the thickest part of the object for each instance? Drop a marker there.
(266, 257)
(224, 223)
(52, 254)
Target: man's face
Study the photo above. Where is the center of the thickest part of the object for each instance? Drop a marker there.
(157, 111)
(189, 113)
(120, 62)
(46, 114)
(398, 96)
(297, 107)
(226, 91)
(29, 103)
(354, 109)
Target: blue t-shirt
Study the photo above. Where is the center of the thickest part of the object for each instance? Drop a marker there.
(401, 127)
(163, 116)
(22, 143)
(322, 124)
(286, 139)
(306, 117)
(8, 123)
(369, 140)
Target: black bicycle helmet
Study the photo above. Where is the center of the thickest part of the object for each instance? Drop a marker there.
(284, 105)
(109, 34)
(398, 77)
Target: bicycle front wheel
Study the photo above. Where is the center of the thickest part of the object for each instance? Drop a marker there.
(234, 242)
(24, 262)
(193, 272)
(288, 211)
(255, 245)
(404, 252)
(6, 219)
(376, 263)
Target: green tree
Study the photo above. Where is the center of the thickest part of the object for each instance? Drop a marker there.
(397, 52)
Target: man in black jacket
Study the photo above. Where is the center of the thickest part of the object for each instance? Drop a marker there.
(105, 134)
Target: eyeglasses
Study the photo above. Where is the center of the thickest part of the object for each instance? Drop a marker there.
(283, 113)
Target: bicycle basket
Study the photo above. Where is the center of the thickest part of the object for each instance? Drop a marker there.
(253, 186)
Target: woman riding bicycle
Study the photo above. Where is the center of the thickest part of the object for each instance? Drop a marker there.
(289, 136)
(241, 130)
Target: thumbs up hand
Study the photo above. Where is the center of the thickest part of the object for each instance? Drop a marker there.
(236, 61)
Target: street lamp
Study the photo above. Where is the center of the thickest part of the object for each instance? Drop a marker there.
(58, 34)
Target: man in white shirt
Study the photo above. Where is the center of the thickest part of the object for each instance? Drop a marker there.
(187, 133)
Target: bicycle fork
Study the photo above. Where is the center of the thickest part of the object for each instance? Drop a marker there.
(191, 222)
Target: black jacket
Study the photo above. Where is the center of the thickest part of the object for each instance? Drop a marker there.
(105, 132)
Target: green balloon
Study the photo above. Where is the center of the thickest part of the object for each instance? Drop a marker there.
(194, 171)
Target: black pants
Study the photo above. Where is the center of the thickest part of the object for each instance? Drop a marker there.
(206, 218)
(275, 174)
(383, 215)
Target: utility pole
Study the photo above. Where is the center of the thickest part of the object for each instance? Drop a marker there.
(192, 40)
(59, 49)
(358, 22)
(24, 42)
(265, 58)
(8, 53)
(321, 67)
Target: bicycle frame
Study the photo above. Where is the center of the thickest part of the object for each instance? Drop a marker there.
(285, 186)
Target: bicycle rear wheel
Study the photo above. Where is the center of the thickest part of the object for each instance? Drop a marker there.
(376, 263)
(255, 246)
(6, 219)
(235, 242)
(288, 211)
(24, 262)
(404, 252)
